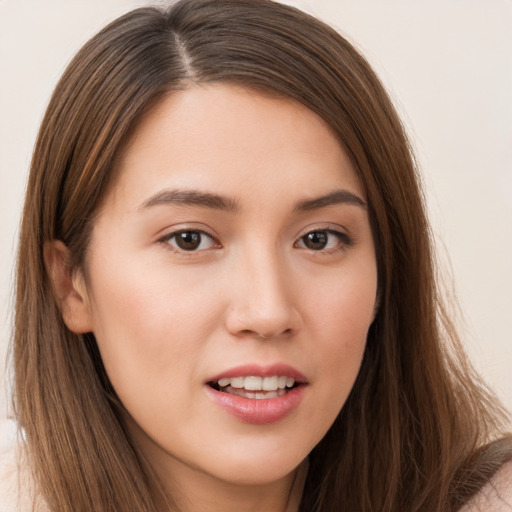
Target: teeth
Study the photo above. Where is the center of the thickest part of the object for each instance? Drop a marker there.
(255, 383)
(258, 395)
(270, 383)
(237, 382)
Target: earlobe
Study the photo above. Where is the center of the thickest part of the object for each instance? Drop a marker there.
(68, 288)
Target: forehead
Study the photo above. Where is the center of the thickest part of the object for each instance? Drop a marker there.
(232, 140)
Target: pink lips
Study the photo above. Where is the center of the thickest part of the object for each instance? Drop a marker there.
(263, 411)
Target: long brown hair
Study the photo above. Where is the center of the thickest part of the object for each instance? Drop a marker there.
(415, 432)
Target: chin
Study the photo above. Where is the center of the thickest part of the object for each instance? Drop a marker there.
(249, 474)
(256, 467)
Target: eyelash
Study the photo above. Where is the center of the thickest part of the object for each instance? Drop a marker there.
(344, 241)
(166, 240)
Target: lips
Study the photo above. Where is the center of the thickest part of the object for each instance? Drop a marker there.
(257, 394)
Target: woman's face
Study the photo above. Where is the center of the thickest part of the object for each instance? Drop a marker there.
(231, 282)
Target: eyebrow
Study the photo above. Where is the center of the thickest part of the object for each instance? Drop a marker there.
(341, 196)
(192, 197)
(218, 202)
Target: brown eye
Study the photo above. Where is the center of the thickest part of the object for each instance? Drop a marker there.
(323, 239)
(316, 240)
(190, 241)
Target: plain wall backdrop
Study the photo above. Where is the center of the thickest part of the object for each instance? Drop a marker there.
(446, 63)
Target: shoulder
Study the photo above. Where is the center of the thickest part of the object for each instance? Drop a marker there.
(496, 496)
(15, 488)
(8, 467)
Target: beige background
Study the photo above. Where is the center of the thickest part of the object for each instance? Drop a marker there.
(447, 65)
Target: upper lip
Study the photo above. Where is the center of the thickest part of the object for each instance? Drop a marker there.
(257, 370)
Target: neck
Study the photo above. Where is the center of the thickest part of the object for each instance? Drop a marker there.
(203, 493)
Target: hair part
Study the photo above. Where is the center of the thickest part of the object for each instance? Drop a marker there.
(410, 436)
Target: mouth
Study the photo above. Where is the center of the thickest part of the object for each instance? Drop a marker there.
(258, 394)
(256, 387)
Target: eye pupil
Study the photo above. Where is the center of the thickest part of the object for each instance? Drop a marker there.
(188, 240)
(316, 240)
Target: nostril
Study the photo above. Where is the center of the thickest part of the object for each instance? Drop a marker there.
(275, 335)
(263, 322)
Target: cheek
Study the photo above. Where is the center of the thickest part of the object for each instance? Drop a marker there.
(150, 356)
(340, 314)
(136, 327)
(341, 306)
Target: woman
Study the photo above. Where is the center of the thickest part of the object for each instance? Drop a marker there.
(226, 295)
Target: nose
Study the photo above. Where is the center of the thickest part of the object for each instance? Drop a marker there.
(262, 301)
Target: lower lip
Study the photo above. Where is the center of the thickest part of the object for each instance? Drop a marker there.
(258, 412)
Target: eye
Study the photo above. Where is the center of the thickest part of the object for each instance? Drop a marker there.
(190, 240)
(323, 239)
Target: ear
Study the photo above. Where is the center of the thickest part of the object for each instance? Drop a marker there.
(69, 288)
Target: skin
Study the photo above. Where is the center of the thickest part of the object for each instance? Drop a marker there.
(253, 292)
(496, 496)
